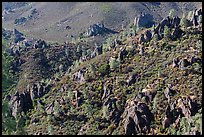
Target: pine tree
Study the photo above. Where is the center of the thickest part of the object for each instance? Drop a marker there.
(184, 21)
(166, 32)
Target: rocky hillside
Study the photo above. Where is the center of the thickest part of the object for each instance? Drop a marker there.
(59, 21)
(143, 80)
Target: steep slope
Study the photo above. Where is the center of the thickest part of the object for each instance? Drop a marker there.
(144, 86)
(136, 82)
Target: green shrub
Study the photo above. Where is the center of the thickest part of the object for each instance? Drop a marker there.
(114, 63)
(104, 69)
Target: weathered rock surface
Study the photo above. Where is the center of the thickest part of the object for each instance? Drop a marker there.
(78, 76)
(143, 20)
(98, 29)
(22, 102)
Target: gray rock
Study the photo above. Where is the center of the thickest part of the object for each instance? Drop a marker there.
(148, 35)
(107, 90)
(112, 113)
(141, 51)
(98, 29)
(141, 38)
(98, 49)
(137, 118)
(50, 108)
(18, 36)
(175, 62)
(122, 53)
(176, 22)
(132, 79)
(78, 76)
(20, 102)
(165, 22)
(143, 20)
(177, 33)
(20, 21)
(183, 63)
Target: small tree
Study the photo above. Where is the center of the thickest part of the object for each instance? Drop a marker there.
(56, 108)
(89, 109)
(171, 13)
(200, 19)
(113, 62)
(79, 50)
(104, 69)
(166, 32)
(92, 69)
(184, 21)
(8, 121)
(67, 52)
(84, 51)
(190, 13)
(49, 127)
(155, 38)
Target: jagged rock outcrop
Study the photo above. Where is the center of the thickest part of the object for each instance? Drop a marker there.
(122, 53)
(147, 35)
(110, 110)
(141, 38)
(107, 90)
(40, 44)
(22, 102)
(18, 36)
(175, 62)
(169, 92)
(20, 21)
(132, 79)
(137, 118)
(98, 29)
(177, 33)
(97, 51)
(183, 63)
(78, 76)
(143, 20)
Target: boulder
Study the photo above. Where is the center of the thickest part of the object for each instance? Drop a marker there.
(148, 35)
(175, 62)
(177, 33)
(183, 63)
(122, 53)
(141, 51)
(132, 79)
(141, 38)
